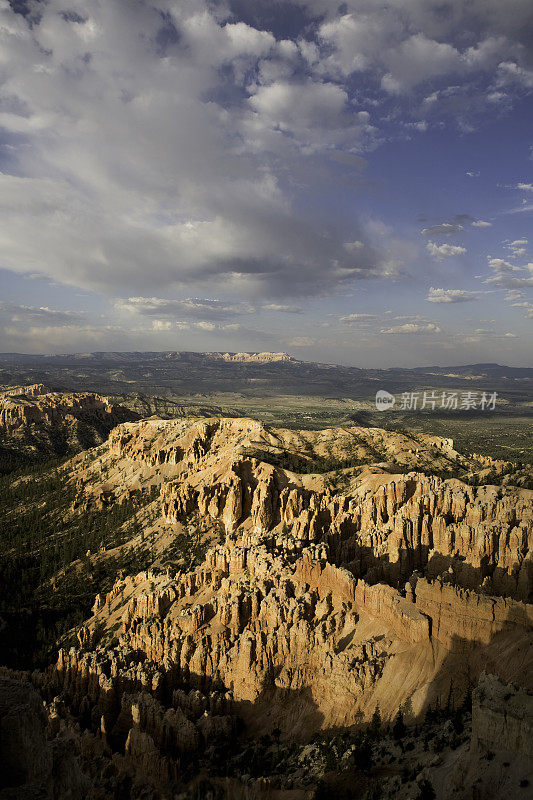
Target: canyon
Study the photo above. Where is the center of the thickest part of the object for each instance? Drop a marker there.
(342, 573)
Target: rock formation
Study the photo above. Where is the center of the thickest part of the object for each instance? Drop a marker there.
(502, 717)
(35, 421)
(32, 763)
(253, 358)
(341, 577)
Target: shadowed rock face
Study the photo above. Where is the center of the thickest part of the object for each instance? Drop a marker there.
(331, 593)
(32, 765)
(35, 421)
(502, 718)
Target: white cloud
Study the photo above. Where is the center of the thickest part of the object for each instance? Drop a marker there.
(513, 295)
(191, 307)
(527, 308)
(500, 265)
(450, 296)
(480, 223)
(353, 247)
(441, 251)
(131, 172)
(445, 229)
(211, 327)
(413, 327)
(506, 282)
(491, 333)
(302, 341)
(282, 308)
(518, 247)
(506, 275)
(351, 319)
(404, 42)
(511, 72)
(159, 148)
(162, 325)
(310, 114)
(32, 315)
(417, 59)
(526, 187)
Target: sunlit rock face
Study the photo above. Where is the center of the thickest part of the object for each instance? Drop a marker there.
(340, 577)
(37, 421)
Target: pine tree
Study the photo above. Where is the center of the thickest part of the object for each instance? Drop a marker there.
(375, 724)
(398, 728)
(427, 792)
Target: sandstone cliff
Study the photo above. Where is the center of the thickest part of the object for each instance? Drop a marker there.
(341, 576)
(32, 763)
(37, 422)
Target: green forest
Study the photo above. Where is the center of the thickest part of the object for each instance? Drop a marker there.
(48, 578)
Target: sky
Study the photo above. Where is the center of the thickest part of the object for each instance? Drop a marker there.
(348, 183)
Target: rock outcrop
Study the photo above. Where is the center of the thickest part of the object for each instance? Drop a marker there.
(35, 421)
(383, 524)
(34, 764)
(340, 577)
(502, 717)
(253, 358)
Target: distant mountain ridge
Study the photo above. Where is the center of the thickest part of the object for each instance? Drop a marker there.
(231, 380)
(251, 357)
(167, 355)
(494, 370)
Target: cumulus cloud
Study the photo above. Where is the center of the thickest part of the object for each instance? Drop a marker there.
(157, 148)
(444, 229)
(129, 167)
(513, 295)
(413, 327)
(210, 327)
(408, 42)
(39, 315)
(419, 58)
(509, 276)
(441, 251)
(511, 72)
(162, 325)
(518, 247)
(198, 308)
(525, 187)
(506, 282)
(450, 296)
(302, 341)
(282, 308)
(150, 144)
(526, 307)
(490, 332)
(314, 114)
(355, 319)
(500, 265)
(480, 223)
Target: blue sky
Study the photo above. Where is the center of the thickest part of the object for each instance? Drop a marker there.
(348, 183)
